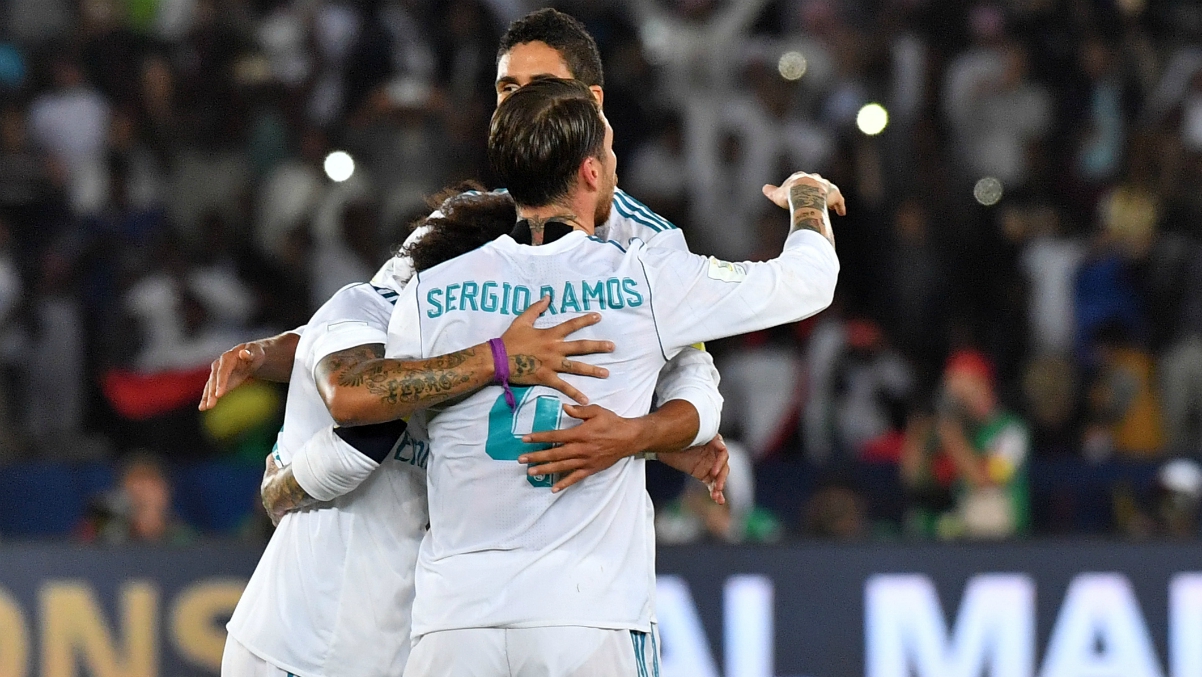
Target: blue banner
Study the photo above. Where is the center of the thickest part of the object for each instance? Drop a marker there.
(1039, 609)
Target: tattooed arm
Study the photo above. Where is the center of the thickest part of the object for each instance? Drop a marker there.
(360, 386)
(807, 197)
(280, 491)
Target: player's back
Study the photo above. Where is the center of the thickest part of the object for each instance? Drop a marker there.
(503, 551)
(332, 592)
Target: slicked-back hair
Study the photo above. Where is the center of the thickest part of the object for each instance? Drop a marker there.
(566, 35)
(540, 135)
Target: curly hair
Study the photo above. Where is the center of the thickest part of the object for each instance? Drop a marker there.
(463, 222)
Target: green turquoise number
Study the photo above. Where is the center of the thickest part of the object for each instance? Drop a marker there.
(505, 444)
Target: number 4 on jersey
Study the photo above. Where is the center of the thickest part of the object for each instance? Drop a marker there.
(505, 443)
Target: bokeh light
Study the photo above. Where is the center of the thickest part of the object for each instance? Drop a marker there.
(872, 119)
(792, 65)
(339, 166)
(988, 191)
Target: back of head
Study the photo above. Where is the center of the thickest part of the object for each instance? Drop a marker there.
(462, 223)
(540, 135)
(563, 33)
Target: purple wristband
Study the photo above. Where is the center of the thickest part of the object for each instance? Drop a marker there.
(500, 362)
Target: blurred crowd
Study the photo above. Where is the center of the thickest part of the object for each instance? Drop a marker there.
(1021, 263)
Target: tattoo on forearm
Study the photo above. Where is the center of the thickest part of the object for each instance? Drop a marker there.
(806, 222)
(343, 362)
(427, 382)
(804, 196)
(283, 494)
(807, 205)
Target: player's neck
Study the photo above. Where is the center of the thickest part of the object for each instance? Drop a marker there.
(538, 217)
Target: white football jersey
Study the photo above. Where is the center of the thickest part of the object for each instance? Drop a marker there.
(631, 220)
(332, 593)
(502, 550)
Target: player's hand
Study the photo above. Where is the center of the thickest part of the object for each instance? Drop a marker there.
(780, 194)
(231, 370)
(539, 356)
(600, 441)
(707, 463)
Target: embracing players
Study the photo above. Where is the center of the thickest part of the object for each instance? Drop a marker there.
(513, 579)
(319, 604)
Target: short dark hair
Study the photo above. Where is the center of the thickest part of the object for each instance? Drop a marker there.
(540, 135)
(566, 35)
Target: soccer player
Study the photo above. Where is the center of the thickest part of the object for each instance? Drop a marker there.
(357, 388)
(332, 592)
(515, 580)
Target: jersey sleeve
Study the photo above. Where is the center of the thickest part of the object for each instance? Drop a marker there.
(671, 239)
(327, 467)
(631, 220)
(404, 328)
(355, 316)
(696, 299)
(689, 376)
(692, 377)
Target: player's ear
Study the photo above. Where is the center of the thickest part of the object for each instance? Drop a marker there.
(590, 173)
(598, 94)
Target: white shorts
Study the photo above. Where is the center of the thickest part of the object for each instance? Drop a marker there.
(535, 652)
(238, 661)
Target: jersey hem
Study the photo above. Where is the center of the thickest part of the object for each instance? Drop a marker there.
(282, 665)
(644, 626)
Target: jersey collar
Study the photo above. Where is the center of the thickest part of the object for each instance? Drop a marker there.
(564, 243)
(551, 232)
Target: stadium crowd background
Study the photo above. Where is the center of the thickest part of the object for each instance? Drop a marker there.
(1027, 224)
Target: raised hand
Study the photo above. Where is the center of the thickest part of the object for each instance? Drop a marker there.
(780, 194)
(268, 359)
(231, 370)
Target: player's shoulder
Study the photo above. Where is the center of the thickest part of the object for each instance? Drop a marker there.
(481, 257)
(611, 247)
(631, 219)
(398, 270)
(354, 301)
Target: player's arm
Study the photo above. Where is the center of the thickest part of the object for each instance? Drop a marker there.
(269, 359)
(332, 463)
(360, 386)
(682, 432)
(336, 460)
(604, 438)
(696, 299)
(280, 492)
